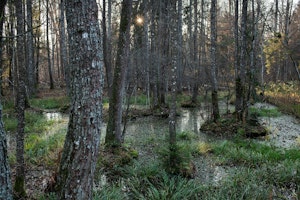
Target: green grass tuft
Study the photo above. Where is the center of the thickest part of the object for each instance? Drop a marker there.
(50, 103)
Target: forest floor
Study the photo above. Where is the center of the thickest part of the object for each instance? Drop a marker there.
(284, 131)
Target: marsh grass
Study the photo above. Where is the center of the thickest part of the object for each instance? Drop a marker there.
(50, 103)
(43, 148)
(265, 112)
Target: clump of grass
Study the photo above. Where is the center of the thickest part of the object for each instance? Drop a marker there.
(204, 148)
(265, 112)
(176, 159)
(10, 124)
(108, 192)
(186, 135)
(44, 148)
(140, 99)
(164, 186)
(50, 103)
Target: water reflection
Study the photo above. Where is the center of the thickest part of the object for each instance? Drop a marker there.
(53, 115)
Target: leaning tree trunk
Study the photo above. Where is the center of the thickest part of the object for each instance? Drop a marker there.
(114, 135)
(78, 162)
(214, 81)
(19, 186)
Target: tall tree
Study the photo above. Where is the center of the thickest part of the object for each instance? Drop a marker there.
(30, 51)
(107, 45)
(194, 50)
(21, 75)
(180, 47)
(5, 180)
(78, 162)
(214, 81)
(114, 135)
(51, 82)
(2, 9)
(62, 43)
(173, 28)
(241, 103)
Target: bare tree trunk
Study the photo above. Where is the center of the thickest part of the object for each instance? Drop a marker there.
(238, 89)
(286, 39)
(107, 49)
(48, 47)
(5, 179)
(62, 42)
(276, 17)
(114, 135)
(153, 48)
(241, 83)
(78, 162)
(147, 48)
(194, 54)
(214, 93)
(30, 51)
(2, 10)
(19, 186)
(179, 49)
(172, 29)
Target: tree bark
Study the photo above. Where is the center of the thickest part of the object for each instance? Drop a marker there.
(78, 162)
(30, 51)
(179, 49)
(214, 81)
(2, 9)
(113, 132)
(241, 103)
(107, 49)
(194, 54)
(51, 82)
(63, 46)
(21, 74)
(5, 179)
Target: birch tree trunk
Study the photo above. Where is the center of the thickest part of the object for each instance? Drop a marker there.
(78, 162)
(114, 135)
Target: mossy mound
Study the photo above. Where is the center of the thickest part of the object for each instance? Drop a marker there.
(112, 159)
(228, 126)
(189, 104)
